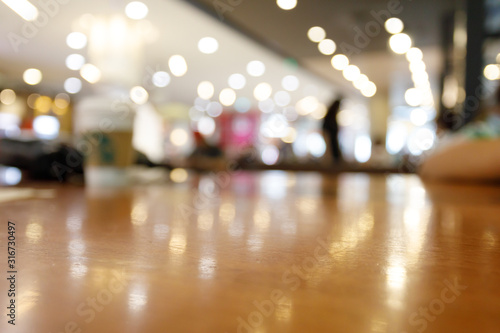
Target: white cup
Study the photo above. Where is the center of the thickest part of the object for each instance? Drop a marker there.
(104, 127)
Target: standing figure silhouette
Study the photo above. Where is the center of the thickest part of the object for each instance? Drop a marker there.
(331, 131)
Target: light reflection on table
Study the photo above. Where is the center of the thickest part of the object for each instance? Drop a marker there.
(347, 253)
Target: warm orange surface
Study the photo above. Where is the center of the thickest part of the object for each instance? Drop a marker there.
(282, 252)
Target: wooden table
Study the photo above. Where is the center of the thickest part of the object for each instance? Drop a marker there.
(257, 252)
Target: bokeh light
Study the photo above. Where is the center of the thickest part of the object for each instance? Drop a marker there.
(75, 61)
(400, 43)
(206, 126)
(227, 97)
(340, 62)
(267, 105)
(413, 97)
(32, 76)
(214, 109)
(242, 104)
(161, 79)
(139, 95)
(177, 65)
(286, 4)
(270, 155)
(256, 68)
(351, 73)
(394, 25)
(414, 55)
(206, 89)
(72, 85)
(282, 98)
(208, 45)
(290, 83)
(178, 175)
(237, 81)
(136, 10)
(262, 91)
(76, 40)
(7, 96)
(419, 117)
(62, 100)
(492, 72)
(90, 73)
(316, 144)
(327, 47)
(46, 127)
(316, 34)
(369, 89)
(179, 137)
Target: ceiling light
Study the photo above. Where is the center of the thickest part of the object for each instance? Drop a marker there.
(286, 4)
(7, 96)
(290, 83)
(256, 68)
(72, 85)
(32, 76)
(23, 8)
(307, 105)
(351, 73)
(214, 109)
(237, 81)
(139, 95)
(90, 73)
(177, 65)
(75, 61)
(136, 10)
(282, 98)
(419, 117)
(414, 55)
(208, 45)
(400, 43)
(360, 81)
(227, 97)
(161, 79)
(492, 72)
(413, 97)
(206, 126)
(327, 46)
(394, 25)
(416, 67)
(205, 90)
(369, 89)
(316, 34)
(76, 40)
(340, 62)
(262, 91)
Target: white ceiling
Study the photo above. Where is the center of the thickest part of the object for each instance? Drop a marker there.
(180, 26)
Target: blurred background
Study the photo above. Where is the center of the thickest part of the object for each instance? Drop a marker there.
(248, 81)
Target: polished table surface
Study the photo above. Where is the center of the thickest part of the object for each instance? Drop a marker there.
(257, 252)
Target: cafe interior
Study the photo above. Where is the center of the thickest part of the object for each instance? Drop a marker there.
(250, 166)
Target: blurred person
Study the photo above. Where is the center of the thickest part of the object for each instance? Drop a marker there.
(331, 131)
